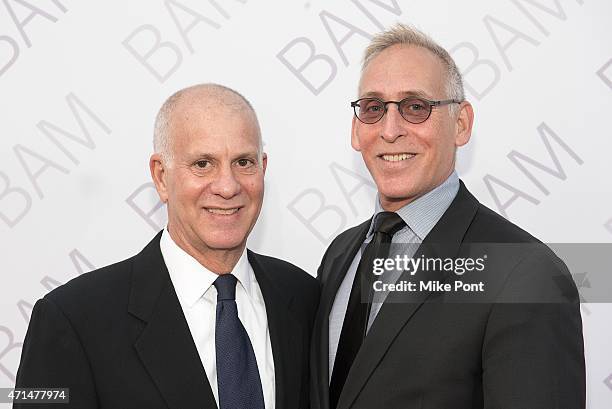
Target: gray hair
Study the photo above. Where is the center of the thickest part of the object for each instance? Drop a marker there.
(221, 93)
(407, 35)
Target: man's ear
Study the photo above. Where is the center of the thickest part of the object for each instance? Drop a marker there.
(354, 138)
(264, 161)
(158, 174)
(465, 121)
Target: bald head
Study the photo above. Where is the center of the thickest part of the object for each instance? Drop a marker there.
(210, 97)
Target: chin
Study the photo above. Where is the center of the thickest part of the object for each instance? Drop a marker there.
(398, 196)
(395, 192)
(225, 244)
(222, 240)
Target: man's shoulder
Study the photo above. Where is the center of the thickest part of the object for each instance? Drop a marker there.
(490, 226)
(282, 271)
(109, 281)
(104, 285)
(486, 226)
(348, 236)
(289, 279)
(532, 267)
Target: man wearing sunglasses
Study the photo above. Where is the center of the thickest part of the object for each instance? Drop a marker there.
(515, 344)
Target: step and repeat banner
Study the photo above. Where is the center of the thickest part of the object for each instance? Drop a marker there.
(81, 83)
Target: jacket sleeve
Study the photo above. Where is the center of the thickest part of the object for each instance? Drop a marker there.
(53, 357)
(533, 353)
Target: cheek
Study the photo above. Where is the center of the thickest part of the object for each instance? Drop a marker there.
(437, 141)
(367, 139)
(253, 187)
(190, 190)
(363, 136)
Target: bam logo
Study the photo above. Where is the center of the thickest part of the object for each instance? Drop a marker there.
(16, 10)
(308, 70)
(16, 201)
(162, 57)
(526, 165)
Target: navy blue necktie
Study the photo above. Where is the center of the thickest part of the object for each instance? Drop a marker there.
(237, 374)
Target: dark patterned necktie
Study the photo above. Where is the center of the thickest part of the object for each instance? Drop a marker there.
(237, 374)
(357, 312)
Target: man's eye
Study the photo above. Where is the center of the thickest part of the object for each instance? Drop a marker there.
(243, 163)
(372, 107)
(416, 107)
(201, 164)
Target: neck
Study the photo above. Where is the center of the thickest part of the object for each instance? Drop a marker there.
(393, 205)
(219, 261)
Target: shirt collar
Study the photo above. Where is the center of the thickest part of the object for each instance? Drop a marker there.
(422, 214)
(191, 280)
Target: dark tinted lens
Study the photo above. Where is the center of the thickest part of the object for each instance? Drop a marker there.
(415, 110)
(370, 110)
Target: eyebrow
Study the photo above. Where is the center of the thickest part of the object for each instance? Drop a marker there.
(212, 156)
(247, 154)
(412, 93)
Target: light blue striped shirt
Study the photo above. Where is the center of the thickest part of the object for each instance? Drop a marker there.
(420, 216)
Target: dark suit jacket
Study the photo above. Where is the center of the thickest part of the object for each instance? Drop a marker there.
(117, 337)
(435, 353)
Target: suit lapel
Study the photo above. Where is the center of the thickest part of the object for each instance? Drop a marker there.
(333, 278)
(285, 334)
(166, 346)
(443, 241)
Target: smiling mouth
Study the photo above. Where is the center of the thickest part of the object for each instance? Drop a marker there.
(221, 211)
(396, 157)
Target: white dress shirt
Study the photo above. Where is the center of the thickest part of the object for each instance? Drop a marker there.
(198, 298)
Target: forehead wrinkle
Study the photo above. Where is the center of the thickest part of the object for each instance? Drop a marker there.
(220, 151)
(403, 94)
(204, 116)
(195, 110)
(214, 144)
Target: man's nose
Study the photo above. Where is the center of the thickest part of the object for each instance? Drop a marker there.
(392, 124)
(225, 184)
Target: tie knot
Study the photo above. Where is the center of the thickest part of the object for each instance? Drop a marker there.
(226, 287)
(388, 223)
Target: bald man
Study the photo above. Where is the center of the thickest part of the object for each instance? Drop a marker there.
(195, 320)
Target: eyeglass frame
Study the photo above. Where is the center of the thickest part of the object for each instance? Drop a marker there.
(432, 104)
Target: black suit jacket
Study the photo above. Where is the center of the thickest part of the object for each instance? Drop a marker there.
(117, 337)
(434, 352)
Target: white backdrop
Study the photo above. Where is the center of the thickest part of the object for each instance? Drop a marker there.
(81, 82)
